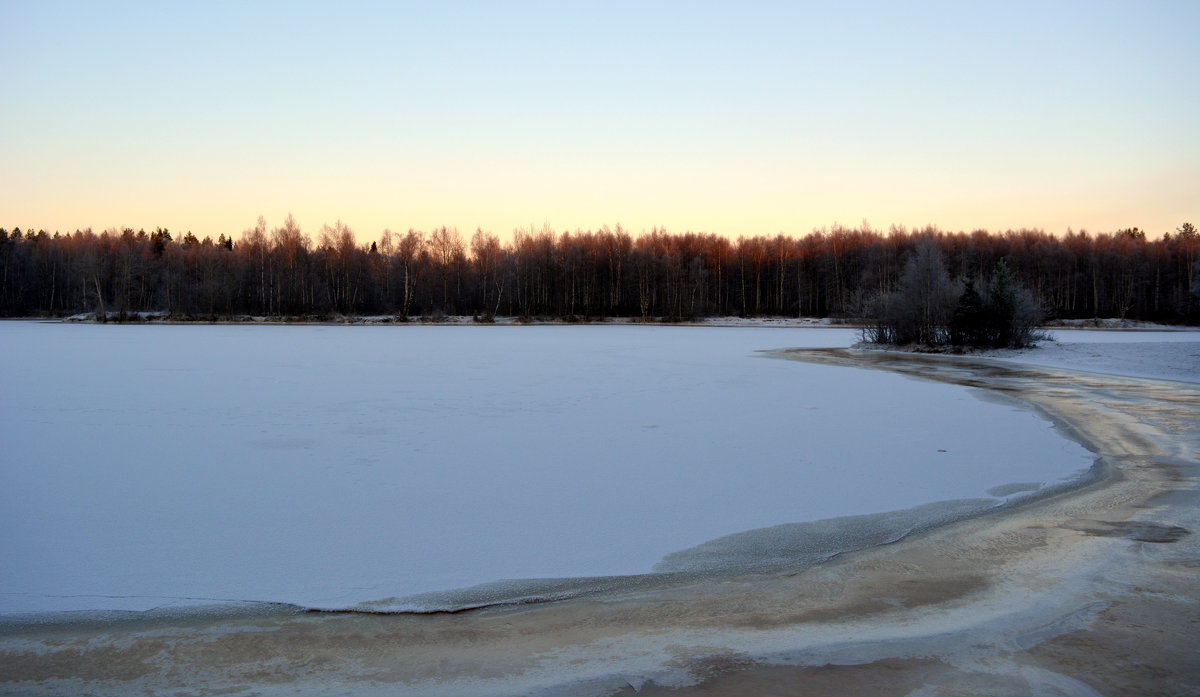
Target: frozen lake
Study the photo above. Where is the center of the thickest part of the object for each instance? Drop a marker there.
(326, 466)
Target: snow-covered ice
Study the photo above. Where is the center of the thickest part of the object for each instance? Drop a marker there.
(1163, 355)
(326, 466)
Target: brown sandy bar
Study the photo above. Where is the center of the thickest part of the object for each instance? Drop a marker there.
(1090, 591)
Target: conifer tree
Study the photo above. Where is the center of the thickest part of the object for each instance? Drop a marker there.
(967, 324)
(1001, 307)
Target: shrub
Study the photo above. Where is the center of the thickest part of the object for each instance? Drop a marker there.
(923, 309)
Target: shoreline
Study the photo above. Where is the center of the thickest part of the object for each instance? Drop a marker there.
(1037, 599)
(783, 322)
(672, 571)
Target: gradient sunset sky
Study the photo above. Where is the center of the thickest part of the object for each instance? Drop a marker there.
(734, 118)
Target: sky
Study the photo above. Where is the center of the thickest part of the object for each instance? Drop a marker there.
(749, 118)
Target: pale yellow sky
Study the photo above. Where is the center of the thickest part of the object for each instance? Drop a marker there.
(759, 119)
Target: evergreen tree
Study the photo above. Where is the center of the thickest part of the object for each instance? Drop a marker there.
(1001, 307)
(967, 326)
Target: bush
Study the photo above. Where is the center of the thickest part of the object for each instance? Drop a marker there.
(922, 310)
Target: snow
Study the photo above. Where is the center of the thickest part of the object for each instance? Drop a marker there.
(328, 466)
(1163, 355)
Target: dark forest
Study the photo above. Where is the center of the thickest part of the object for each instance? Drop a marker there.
(576, 276)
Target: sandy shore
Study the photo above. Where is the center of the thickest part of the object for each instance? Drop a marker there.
(1095, 591)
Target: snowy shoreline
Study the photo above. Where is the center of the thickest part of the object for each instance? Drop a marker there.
(164, 318)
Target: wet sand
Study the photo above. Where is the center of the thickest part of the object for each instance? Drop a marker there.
(1091, 591)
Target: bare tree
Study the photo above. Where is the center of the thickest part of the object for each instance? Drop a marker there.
(341, 257)
(447, 247)
(920, 309)
(408, 250)
(487, 255)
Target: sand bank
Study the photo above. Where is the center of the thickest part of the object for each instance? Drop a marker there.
(1091, 591)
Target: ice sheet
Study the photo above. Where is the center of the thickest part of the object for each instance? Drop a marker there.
(326, 466)
(1173, 355)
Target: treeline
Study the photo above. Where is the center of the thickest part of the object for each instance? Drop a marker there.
(283, 272)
